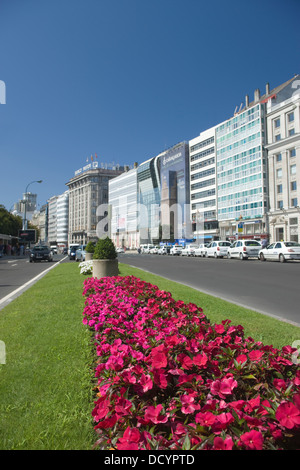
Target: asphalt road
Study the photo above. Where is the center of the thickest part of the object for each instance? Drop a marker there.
(271, 288)
(17, 275)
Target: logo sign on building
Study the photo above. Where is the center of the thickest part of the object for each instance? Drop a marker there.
(90, 166)
(27, 235)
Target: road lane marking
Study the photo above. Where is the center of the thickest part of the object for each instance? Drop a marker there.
(7, 298)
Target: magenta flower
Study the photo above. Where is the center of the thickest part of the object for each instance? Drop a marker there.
(288, 415)
(252, 440)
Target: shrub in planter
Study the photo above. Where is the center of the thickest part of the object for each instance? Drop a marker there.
(105, 262)
(89, 250)
(170, 379)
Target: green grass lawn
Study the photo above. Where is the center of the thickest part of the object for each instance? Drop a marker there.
(47, 381)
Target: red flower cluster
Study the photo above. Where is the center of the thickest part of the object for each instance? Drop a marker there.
(169, 379)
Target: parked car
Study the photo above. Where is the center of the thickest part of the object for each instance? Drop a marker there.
(189, 250)
(54, 249)
(200, 250)
(120, 250)
(154, 250)
(147, 248)
(73, 249)
(217, 249)
(280, 251)
(65, 251)
(40, 253)
(244, 249)
(80, 253)
(164, 250)
(176, 250)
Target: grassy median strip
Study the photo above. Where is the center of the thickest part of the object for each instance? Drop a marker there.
(46, 384)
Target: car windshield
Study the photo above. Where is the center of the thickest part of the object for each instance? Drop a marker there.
(224, 244)
(252, 243)
(292, 244)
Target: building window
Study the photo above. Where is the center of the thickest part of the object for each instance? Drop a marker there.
(294, 202)
(291, 132)
(279, 173)
(294, 221)
(277, 123)
(277, 137)
(293, 185)
(293, 169)
(279, 188)
(292, 153)
(290, 117)
(279, 204)
(278, 157)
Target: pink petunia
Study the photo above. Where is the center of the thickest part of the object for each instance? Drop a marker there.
(288, 415)
(223, 387)
(152, 414)
(130, 439)
(205, 419)
(220, 444)
(255, 355)
(188, 403)
(253, 440)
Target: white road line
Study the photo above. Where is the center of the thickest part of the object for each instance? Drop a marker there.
(7, 298)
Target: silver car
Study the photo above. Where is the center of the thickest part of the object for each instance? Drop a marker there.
(280, 251)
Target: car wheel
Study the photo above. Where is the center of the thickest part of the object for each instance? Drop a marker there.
(281, 258)
(228, 255)
(261, 257)
(215, 255)
(241, 256)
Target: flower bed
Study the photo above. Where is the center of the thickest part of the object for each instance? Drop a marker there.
(169, 379)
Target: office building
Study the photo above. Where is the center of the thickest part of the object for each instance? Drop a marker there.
(88, 194)
(203, 186)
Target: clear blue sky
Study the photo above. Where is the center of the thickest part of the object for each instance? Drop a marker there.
(126, 79)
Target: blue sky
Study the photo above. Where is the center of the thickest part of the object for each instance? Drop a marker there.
(127, 79)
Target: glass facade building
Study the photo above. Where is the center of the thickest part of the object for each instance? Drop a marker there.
(242, 174)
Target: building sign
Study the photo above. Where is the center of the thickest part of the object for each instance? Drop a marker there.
(90, 166)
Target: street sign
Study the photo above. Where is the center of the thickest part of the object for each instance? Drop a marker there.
(27, 236)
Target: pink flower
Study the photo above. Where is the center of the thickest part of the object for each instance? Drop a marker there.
(188, 405)
(253, 440)
(255, 355)
(205, 419)
(152, 414)
(219, 444)
(200, 359)
(223, 387)
(158, 358)
(288, 415)
(130, 439)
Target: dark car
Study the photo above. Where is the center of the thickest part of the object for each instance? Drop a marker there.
(73, 251)
(40, 253)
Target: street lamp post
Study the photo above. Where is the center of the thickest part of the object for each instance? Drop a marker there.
(24, 220)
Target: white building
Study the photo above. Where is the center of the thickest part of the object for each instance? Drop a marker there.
(283, 145)
(203, 186)
(62, 219)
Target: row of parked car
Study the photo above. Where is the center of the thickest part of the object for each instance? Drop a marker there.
(241, 249)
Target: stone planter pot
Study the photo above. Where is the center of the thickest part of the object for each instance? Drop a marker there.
(105, 268)
(88, 256)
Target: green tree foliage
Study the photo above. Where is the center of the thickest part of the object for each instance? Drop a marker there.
(9, 224)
